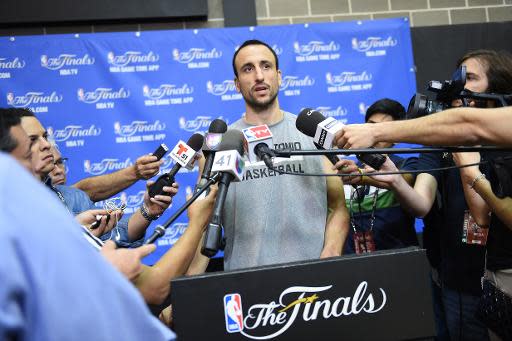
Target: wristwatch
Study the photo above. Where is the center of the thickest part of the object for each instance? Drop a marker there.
(144, 212)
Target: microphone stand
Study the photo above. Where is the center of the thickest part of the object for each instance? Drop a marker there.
(289, 152)
(160, 230)
(213, 241)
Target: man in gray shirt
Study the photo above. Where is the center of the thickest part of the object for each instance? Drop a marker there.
(271, 218)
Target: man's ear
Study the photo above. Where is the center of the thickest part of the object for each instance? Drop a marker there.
(280, 77)
(237, 84)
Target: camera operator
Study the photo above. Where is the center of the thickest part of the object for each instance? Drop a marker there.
(462, 252)
(488, 71)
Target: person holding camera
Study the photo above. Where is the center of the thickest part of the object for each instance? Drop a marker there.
(462, 235)
(493, 185)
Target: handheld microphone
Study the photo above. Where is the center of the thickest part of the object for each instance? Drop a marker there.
(183, 154)
(323, 130)
(259, 144)
(211, 144)
(229, 163)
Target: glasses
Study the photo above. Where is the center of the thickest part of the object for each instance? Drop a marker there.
(61, 162)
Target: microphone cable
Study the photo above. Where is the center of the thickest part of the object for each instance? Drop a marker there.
(413, 171)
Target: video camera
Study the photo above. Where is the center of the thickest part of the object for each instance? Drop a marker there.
(448, 91)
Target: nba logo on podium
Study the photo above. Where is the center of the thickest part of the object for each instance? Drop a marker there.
(233, 313)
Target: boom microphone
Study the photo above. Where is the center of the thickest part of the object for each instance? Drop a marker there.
(183, 154)
(229, 163)
(322, 130)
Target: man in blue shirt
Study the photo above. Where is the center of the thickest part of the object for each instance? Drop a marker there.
(128, 232)
(153, 282)
(54, 285)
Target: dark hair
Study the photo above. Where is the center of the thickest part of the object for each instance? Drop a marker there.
(498, 65)
(386, 106)
(9, 117)
(253, 42)
(24, 112)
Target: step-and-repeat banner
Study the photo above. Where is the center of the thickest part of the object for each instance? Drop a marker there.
(109, 98)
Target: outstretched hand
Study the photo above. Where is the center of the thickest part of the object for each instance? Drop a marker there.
(127, 261)
(354, 136)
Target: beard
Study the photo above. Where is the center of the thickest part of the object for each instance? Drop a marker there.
(257, 105)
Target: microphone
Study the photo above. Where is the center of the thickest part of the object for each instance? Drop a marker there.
(322, 130)
(259, 144)
(160, 229)
(229, 163)
(211, 144)
(183, 154)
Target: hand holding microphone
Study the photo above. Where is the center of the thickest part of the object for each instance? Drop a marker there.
(184, 156)
(153, 207)
(354, 136)
(324, 132)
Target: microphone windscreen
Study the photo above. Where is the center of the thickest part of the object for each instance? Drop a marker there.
(218, 126)
(196, 141)
(233, 139)
(307, 121)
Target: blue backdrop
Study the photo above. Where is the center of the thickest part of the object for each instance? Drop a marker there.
(109, 98)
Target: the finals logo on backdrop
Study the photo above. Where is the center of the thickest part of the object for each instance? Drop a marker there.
(106, 165)
(347, 81)
(292, 85)
(339, 112)
(10, 64)
(198, 124)
(67, 64)
(102, 98)
(139, 131)
(133, 61)
(373, 46)
(316, 50)
(226, 90)
(74, 135)
(168, 94)
(196, 57)
(36, 101)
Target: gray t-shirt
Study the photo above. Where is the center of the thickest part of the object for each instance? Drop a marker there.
(271, 218)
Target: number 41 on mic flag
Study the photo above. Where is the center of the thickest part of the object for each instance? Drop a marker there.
(229, 161)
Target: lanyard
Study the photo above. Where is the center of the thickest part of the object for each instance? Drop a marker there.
(359, 200)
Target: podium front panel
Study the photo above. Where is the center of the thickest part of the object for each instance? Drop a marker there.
(380, 296)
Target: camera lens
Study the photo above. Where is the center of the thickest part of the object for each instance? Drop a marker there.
(417, 106)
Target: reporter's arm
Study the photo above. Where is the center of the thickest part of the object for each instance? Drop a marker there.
(154, 282)
(469, 176)
(200, 262)
(502, 208)
(337, 225)
(417, 200)
(105, 186)
(138, 224)
(457, 126)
